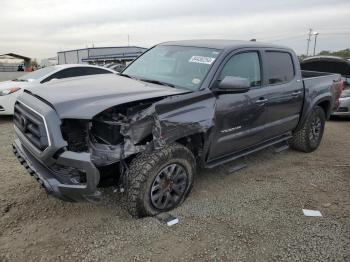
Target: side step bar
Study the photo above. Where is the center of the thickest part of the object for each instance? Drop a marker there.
(248, 151)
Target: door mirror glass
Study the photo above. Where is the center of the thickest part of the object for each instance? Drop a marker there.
(234, 84)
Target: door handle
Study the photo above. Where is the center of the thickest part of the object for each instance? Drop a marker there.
(296, 93)
(261, 101)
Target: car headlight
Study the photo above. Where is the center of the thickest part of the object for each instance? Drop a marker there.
(8, 91)
(345, 93)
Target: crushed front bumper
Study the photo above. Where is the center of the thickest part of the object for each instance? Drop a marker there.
(60, 185)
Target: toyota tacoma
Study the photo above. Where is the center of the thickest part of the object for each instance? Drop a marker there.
(179, 107)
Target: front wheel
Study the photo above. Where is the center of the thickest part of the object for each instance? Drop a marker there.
(309, 137)
(160, 180)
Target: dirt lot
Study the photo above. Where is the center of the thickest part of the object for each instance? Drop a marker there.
(4, 76)
(251, 215)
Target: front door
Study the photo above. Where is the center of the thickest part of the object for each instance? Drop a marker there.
(239, 118)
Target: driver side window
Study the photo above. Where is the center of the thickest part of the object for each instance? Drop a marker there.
(245, 65)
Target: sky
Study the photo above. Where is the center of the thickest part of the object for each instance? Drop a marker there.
(41, 28)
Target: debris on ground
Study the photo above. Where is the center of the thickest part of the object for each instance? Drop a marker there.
(311, 213)
(168, 219)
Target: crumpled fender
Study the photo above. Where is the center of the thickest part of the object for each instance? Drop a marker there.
(168, 120)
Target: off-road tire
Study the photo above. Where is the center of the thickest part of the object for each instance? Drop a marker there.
(301, 139)
(143, 170)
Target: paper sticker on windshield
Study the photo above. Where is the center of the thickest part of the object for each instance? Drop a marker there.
(196, 81)
(202, 60)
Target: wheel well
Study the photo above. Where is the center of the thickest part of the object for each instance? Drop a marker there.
(194, 143)
(325, 105)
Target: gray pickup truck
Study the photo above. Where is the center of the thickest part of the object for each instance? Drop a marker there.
(180, 106)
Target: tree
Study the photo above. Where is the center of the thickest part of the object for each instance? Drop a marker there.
(341, 53)
(34, 64)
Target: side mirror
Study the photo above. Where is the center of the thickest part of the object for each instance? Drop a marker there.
(234, 84)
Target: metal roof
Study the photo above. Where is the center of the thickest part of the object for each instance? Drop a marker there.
(105, 47)
(17, 56)
(112, 56)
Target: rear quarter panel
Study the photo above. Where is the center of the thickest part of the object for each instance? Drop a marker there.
(319, 88)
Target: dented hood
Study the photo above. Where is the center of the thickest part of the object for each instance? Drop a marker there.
(84, 97)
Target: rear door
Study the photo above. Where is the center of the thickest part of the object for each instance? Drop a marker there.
(239, 118)
(284, 91)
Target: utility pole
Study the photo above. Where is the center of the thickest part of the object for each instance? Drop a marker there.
(308, 41)
(316, 34)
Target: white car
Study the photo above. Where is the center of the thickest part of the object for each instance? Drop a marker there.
(344, 100)
(10, 90)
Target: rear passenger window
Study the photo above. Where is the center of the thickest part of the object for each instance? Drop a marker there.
(279, 67)
(76, 71)
(245, 65)
(64, 73)
(95, 71)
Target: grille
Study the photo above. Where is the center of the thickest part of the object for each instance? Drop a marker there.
(342, 109)
(32, 125)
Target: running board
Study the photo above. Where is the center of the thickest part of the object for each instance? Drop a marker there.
(236, 168)
(245, 152)
(282, 147)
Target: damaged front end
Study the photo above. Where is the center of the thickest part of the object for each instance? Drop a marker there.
(125, 130)
(87, 153)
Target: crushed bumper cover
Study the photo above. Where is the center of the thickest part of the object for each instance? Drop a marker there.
(59, 185)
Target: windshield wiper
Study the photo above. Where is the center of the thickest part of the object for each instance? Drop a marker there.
(149, 80)
(156, 82)
(125, 75)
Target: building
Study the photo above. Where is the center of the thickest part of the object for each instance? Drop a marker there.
(100, 55)
(13, 62)
(51, 61)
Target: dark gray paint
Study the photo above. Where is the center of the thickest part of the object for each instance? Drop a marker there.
(84, 97)
(265, 115)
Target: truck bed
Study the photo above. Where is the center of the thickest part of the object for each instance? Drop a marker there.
(311, 74)
(317, 84)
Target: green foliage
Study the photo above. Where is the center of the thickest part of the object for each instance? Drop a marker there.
(341, 53)
(34, 64)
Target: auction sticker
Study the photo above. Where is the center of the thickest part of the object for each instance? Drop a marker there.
(202, 60)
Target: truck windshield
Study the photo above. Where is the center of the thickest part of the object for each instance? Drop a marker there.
(180, 66)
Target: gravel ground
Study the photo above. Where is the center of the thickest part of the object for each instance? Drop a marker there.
(251, 215)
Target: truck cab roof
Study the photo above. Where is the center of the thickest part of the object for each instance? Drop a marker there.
(223, 44)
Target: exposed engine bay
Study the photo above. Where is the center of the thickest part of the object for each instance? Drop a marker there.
(124, 130)
(103, 135)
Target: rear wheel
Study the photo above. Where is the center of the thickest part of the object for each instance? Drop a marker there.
(309, 137)
(160, 180)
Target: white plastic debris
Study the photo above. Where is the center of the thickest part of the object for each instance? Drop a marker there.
(172, 222)
(168, 219)
(311, 213)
